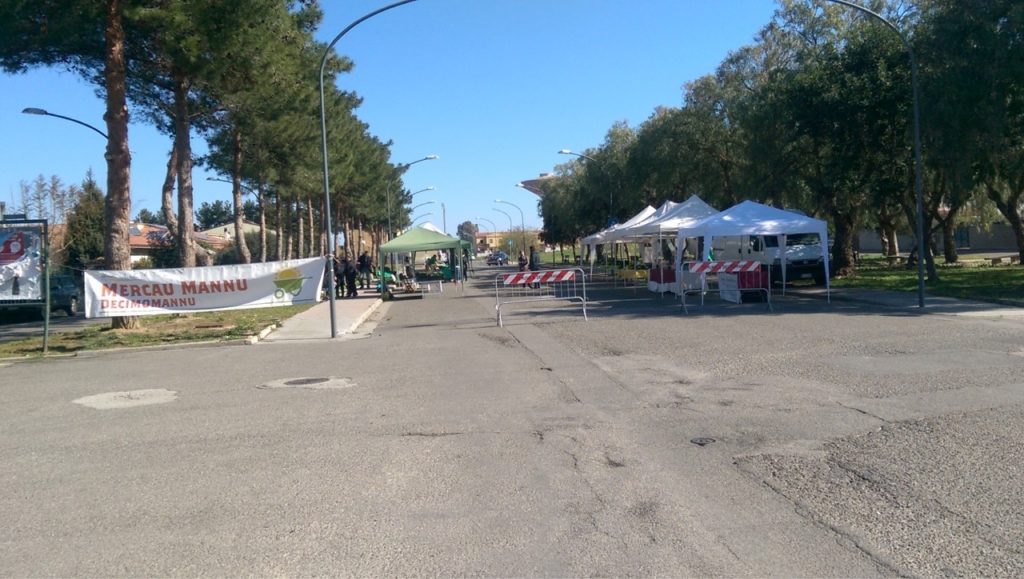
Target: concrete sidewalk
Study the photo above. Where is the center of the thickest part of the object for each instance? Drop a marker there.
(315, 323)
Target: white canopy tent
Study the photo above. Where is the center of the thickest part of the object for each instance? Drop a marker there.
(601, 237)
(681, 215)
(751, 218)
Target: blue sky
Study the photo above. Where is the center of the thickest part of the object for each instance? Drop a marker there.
(494, 87)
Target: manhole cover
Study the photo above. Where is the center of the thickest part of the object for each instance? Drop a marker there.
(305, 381)
(328, 383)
(129, 399)
(702, 441)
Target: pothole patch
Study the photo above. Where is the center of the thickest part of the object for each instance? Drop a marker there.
(321, 383)
(128, 399)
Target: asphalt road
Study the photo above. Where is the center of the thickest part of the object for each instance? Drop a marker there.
(848, 440)
(16, 327)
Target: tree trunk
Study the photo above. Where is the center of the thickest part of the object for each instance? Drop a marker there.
(894, 241)
(312, 231)
(241, 247)
(948, 240)
(167, 193)
(300, 245)
(261, 200)
(183, 143)
(1008, 208)
(278, 229)
(842, 256)
(118, 204)
(289, 230)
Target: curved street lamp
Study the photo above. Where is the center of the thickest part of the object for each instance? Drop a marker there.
(35, 111)
(511, 227)
(242, 185)
(421, 205)
(494, 227)
(327, 182)
(411, 195)
(401, 168)
(611, 214)
(418, 217)
(522, 218)
(918, 183)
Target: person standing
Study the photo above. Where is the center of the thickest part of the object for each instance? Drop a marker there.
(350, 274)
(534, 264)
(339, 277)
(364, 270)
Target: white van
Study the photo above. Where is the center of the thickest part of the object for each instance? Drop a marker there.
(803, 254)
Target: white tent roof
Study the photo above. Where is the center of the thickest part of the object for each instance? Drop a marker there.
(601, 236)
(677, 215)
(751, 218)
(431, 227)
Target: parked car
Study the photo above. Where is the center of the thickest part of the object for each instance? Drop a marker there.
(64, 296)
(497, 258)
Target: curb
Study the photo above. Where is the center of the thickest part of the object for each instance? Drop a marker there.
(261, 335)
(362, 318)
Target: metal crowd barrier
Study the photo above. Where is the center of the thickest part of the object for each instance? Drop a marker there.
(696, 281)
(536, 286)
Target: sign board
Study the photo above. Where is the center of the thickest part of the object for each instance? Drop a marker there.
(21, 261)
(200, 289)
(728, 287)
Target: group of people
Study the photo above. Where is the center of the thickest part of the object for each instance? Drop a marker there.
(347, 275)
(532, 263)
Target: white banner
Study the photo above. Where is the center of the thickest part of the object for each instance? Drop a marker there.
(147, 292)
(21, 263)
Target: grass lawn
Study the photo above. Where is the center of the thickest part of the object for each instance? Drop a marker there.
(976, 281)
(157, 330)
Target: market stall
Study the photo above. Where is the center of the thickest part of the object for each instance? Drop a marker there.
(754, 219)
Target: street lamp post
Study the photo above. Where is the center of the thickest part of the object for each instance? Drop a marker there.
(411, 195)
(323, 135)
(35, 111)
(918, 183)
(414, 207)
(418, 217)
(511, 227)
(522, 218)
(444, 220)
(611, 210)
(46, 275)
(493, 226)
(387, 190)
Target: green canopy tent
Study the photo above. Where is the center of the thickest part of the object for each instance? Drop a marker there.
(422, 239)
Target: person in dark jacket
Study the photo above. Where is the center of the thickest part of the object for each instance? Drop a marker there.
(339, 277)
(350, 273)
(364, 270)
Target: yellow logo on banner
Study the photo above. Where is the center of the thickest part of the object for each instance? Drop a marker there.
(288, 281)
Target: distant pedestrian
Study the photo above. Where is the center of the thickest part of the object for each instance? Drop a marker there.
(349, 272)
(364, 266)
(339, 277)
(534, 264)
